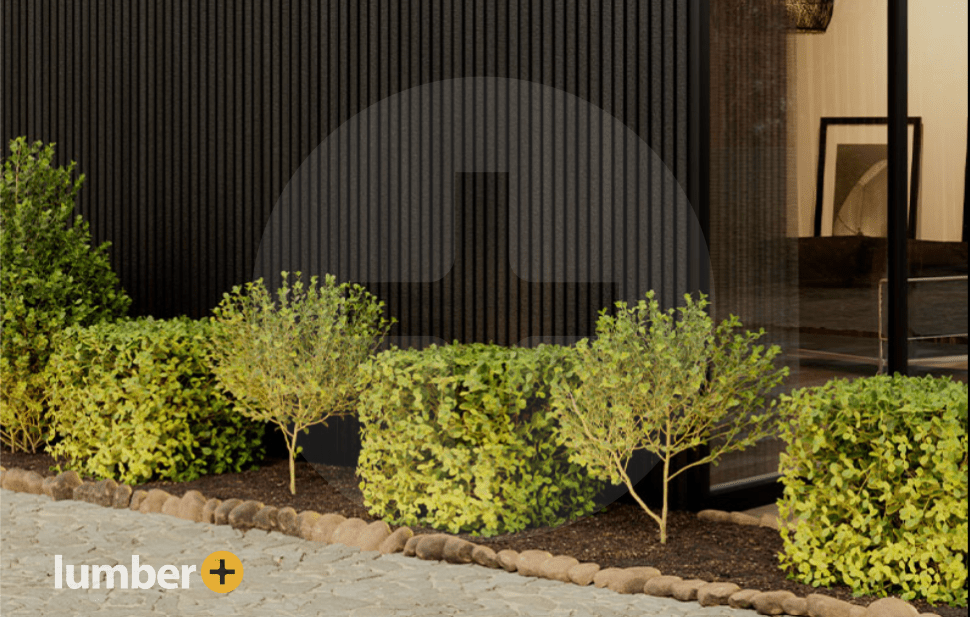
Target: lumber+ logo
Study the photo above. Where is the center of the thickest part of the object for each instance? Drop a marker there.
(221, 572)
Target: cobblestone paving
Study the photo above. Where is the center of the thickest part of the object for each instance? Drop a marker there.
(283, 575)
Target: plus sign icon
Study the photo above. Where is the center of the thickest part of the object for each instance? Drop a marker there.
(222, 571)
(486, 210)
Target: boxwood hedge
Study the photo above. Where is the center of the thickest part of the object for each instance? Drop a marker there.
(876, 469)
(460, 438)
(136, 400)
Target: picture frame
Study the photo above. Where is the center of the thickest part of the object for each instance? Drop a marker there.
(852, 162)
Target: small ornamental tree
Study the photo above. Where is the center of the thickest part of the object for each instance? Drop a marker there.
(652, 381)
(50, 278)
(293, 360)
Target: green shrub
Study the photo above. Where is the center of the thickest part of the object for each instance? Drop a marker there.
(50, 278)
(293, 361)
(650, 381)
(136, 401)
(877, 467)
(460, 438)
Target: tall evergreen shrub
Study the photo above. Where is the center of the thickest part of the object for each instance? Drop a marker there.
(50, 278)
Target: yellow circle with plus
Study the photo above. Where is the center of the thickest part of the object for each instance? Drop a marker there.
(222, 572)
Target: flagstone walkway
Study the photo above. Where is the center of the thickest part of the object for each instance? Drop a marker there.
(283, 575)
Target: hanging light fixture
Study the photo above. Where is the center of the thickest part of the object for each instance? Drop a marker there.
(812, 16)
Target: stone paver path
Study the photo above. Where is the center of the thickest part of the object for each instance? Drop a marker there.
(283, 575)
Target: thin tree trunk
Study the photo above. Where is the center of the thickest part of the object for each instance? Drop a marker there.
(291, 446)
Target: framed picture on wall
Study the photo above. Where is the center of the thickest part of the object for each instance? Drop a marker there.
(851, 186)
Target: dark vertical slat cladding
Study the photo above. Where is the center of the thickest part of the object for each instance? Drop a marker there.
(209, 122)
(189, 120)
(195, 115)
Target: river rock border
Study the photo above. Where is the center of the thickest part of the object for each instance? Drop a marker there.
(378, 536)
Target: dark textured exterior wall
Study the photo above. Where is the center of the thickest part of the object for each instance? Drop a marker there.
(189, 118)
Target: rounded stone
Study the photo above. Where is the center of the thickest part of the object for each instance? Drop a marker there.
(825, 606)
(12, 479)
(686, 591)
(194, 494)
(557, 568)
(121, 497)
(372, 536)
(243, 516)
(714, 516)
(602, 578)
(769, 520)
(154, 500)
(103, 492)
(742, 599)
(209, 510)
(457, 550)
(411, 545)
(23, 481)
(771, 602)
(583, 574)
(221, 514)
(397, 541)
(324, 527)
(892, 607)
(797, 607)
(63, 485)
(267, 518)
(431, 548)
(507, 559)
(661, 586)
(530, 562)
(33, 483)
(347, 532)
(171, 506)
(716, 594)
(485, 556)
(305, 522)
(82, 492)
(740, 518)
(137, 498)
(287, 520)
(190, 507)
(632, 580)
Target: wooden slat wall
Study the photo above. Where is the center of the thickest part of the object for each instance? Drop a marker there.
(189, 118)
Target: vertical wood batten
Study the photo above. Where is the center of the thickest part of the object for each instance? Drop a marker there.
(189, 120)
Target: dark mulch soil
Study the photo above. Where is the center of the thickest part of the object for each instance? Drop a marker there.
(622, 536)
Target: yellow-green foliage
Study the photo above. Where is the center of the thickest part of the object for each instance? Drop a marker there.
(461, 438)
(877, 467)
(50, 278)
(667, 382)
(292, 359)
(136, 401)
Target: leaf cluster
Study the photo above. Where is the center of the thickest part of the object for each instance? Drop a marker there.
(875, 472)
(667, 382)
(292, 358)
(461, 438)
(136, 401)
(50, 278)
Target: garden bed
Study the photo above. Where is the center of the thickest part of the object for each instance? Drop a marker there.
(623, 536)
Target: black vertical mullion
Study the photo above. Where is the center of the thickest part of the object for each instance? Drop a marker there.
(199, 208)
(126, 138)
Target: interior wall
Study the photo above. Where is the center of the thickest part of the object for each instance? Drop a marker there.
(843, 73)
